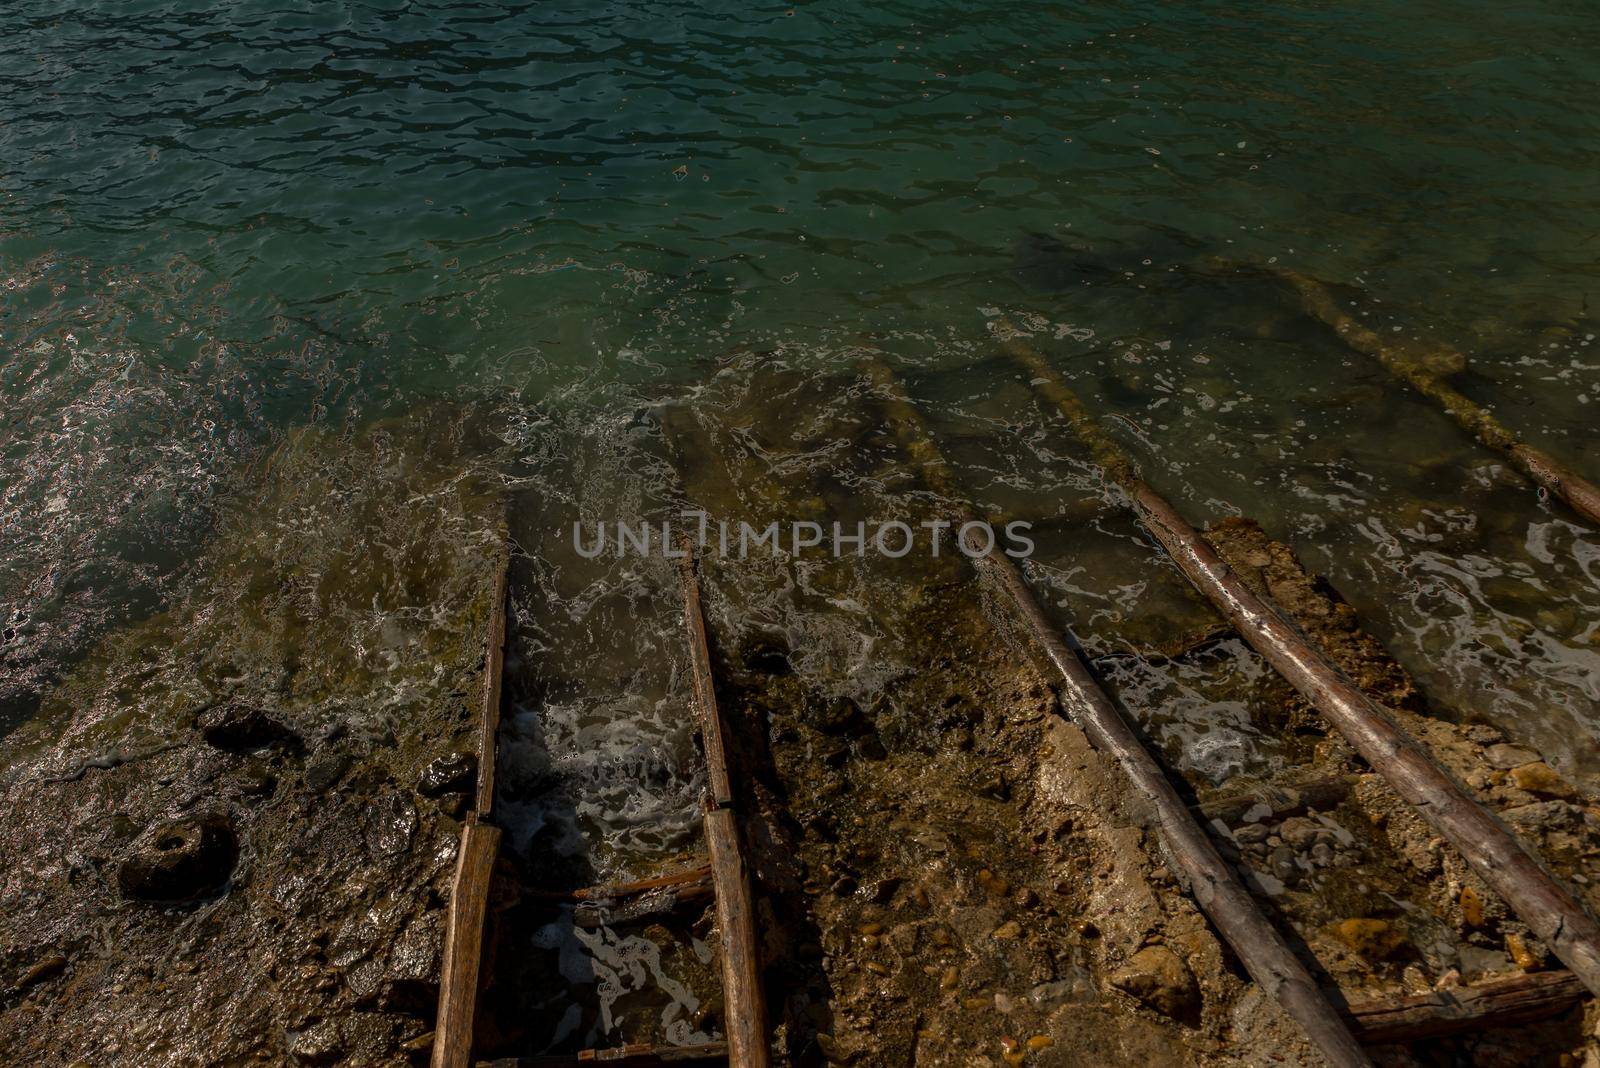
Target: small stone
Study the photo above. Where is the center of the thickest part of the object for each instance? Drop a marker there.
(453, 773)
(1506, 757)
(1005, 1003)
(51, 964)
(950, 980)
(870, 929)
(325, 770)
(1026, 898)
(975, 1004)
(1540, 778)
(1250, 833)
(1374, 939)
(1521, 955)
(1009, 929)
(243, 728)
(1471, 907)
(1322, 854)
(1158, 977)
(876, 968)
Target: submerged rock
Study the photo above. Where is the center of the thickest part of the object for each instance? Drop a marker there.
(180, 861)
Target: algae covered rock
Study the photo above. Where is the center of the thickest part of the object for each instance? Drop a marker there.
(180, 860)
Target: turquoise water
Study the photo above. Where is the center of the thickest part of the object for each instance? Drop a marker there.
(219, 223)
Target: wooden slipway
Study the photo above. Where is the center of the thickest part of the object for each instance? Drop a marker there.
(724, 879)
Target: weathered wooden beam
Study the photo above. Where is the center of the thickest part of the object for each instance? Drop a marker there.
(463, 945)
(1425, 371)
(745, 1014)
(1553, 914)
(1213, 883)
(1464, 1009)
(493, 668)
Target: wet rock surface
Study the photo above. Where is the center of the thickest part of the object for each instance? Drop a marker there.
(178, 887)
(180, 860)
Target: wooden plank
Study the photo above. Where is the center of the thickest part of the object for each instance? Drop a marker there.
(493, 668)
(746, 1014)
(705, 693)
(1211, 880)
(463, 947)
(1554, 915)
(1503, 1003)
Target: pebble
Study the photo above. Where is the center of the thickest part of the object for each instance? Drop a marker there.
(1506, 757)
(326, 770)
(1540, 778)
(1298, 831)
(1374, 939)
(1009, 929)
(1471, 907)
(1251, 833)
(1521, 954)
(950, 980)
(877, 968)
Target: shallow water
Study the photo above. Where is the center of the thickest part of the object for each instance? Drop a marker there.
(221, 223)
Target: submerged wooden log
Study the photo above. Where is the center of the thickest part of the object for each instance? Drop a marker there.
(1425, 368)
(1502, 1003)
(1552, 913)
(745, 1012)
(1212, 882)
(635, 1056)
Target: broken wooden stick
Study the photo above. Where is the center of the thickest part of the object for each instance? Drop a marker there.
(1214, 885)
(1463, 1009)
(745, 1013)
(1552, 913)
(1425, 368)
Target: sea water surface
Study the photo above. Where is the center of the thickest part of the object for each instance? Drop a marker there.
(220, 223)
